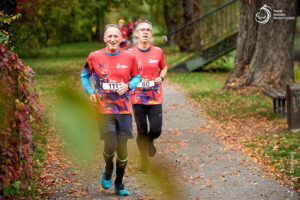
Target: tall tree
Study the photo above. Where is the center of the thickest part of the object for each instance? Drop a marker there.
(187, 38)
(264, 53)
(173, 15)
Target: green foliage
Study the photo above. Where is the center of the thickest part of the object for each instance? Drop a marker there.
(70, 50)
(13, 189)
(3, 38)
(223, 64)
(5, 29)
(19, 105)
(53, 22)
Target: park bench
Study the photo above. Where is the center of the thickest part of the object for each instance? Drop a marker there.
(279, 99)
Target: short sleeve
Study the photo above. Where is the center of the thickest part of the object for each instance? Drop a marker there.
(162, 62)
(134, 67)
(88, 67)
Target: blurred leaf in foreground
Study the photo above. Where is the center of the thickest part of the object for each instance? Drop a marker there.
(78, 124)
(164, 180)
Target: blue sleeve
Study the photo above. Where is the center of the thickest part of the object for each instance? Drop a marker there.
(135, 81)
(86, 82)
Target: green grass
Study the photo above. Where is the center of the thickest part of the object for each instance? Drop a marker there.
(62, 51)
(58, 67)
(283, 149)
(206, 88)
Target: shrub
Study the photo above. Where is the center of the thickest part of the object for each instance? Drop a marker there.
(18, 109)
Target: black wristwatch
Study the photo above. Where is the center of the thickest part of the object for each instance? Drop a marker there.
(162, 78)
(129, 86)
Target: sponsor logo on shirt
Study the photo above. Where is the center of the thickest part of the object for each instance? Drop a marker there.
(140, 65)
(119, 66)
(152, 61)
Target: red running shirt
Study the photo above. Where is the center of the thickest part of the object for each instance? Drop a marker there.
(124, 32)
(150, 64)
(108, 71)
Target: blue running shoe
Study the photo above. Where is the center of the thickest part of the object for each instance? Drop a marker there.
(105, 183)
(121, 190)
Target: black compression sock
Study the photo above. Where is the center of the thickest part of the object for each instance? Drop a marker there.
(121, 165)
(109, 165)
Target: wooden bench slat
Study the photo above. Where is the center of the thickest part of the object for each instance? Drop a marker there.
(269, 93)
(281, 94)
(275, 94)
(278, 97)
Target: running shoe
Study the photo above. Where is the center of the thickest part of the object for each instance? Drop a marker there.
(151, 149)
(105, 183)
(121, 190)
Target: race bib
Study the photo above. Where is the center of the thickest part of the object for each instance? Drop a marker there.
(110, 86)
(146, 84)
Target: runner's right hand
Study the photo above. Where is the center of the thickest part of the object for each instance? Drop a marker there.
(93, 98)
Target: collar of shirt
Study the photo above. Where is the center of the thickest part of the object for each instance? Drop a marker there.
(113, 54)
(144, 51)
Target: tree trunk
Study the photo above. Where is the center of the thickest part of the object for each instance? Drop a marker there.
(99, 31)
(100, 25)
(172, 18)
(264, 53)
(187, 38)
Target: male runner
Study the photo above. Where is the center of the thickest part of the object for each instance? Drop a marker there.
(115, 72)
(147, 98)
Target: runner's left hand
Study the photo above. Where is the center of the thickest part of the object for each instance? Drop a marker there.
(158, 81)
(123, 87)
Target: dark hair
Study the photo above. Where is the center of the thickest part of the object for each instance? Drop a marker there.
(111, 26)
(144, 21)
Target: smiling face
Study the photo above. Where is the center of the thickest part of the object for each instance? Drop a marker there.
(144, 33)
(112, 39)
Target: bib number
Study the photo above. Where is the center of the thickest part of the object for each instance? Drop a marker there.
(110, 86)
(146, 84)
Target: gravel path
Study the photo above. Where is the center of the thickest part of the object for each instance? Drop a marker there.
(199, 164)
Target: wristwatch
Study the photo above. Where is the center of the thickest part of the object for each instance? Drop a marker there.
(129, 86)
(162, 78)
